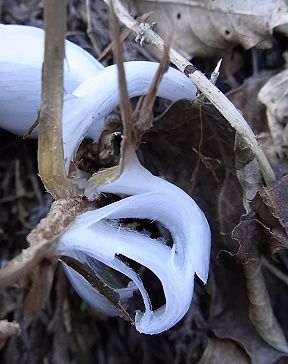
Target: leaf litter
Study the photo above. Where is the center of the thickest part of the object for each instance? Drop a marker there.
(191, 145)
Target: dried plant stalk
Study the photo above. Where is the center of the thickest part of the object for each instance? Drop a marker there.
(50, 148)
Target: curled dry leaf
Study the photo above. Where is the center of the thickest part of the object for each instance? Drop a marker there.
(203, 28)
(223, 352)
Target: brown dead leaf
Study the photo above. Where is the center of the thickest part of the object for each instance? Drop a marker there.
(223, 352)
(203, 28)
(255, 239)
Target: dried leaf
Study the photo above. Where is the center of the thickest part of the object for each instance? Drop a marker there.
(223, 352)
(255, 238)
(203, 28)
(8, 329)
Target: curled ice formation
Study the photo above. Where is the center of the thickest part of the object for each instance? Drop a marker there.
(96, 238)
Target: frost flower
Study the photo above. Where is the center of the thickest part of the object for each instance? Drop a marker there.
(97, 238)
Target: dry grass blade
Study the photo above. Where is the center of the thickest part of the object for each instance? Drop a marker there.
(50, 148)
(86, 272)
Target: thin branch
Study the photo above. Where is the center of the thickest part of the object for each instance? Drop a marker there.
(50, 148)
(213, 94)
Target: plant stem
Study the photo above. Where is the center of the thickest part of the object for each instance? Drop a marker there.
(50, 148)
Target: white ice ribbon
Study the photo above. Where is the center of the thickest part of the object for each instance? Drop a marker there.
(96, 238)
(21, 58)
(93, 237)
